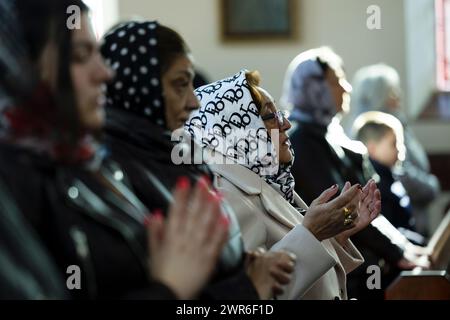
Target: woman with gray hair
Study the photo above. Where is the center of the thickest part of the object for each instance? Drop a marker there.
(316, 90)
(377, 88)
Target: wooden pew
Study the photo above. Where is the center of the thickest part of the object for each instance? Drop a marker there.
(439, 245)
(433, 284)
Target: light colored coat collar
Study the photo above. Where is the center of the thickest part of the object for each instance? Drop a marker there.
(243, 178)
(252, 184)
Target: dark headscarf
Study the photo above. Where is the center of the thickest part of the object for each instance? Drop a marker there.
(131, 50)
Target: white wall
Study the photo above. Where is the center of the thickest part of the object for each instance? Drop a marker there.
(104, 14)
(433, 135)
(420, 53)
(338, 23)
(405, 41)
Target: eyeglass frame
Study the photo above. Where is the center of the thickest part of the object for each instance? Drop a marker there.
(279, 115)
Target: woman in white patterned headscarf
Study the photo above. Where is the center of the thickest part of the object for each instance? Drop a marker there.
(245, 141)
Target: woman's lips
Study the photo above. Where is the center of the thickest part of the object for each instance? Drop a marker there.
(286, 142)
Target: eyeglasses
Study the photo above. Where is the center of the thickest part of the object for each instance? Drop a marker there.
(280, 116)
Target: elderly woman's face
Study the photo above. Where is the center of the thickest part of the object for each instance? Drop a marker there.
(393, 100)
(283, 143)
(339, 88)
(178, 92)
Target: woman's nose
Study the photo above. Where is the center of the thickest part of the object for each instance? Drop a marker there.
(192, 102)
(286, 124)
(103, 72)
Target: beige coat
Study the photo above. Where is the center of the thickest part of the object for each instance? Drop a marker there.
(268, 220)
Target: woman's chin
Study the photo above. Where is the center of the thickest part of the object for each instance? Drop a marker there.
(94, 122)
(285, 157)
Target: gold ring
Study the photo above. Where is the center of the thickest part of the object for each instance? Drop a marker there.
(348, 221)
(347, 212)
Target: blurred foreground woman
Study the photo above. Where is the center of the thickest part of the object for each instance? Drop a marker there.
(26, 269)
(75, 198)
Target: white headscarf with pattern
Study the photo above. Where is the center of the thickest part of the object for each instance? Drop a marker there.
(229, 122)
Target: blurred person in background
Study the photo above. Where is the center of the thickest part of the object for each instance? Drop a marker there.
(316, 92)
(382, 134)
(377, 88)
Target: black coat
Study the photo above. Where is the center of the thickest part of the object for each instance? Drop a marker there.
(144, 151)
(316, 168)
(83, 223)
(26, 269)
(399, 215)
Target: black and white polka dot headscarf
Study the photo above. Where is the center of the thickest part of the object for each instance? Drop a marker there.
(131, 50)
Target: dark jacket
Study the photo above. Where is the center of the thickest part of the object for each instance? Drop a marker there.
(145, 154)
(26, 269)
(321, 163)
(82, 223)
(395, 206)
